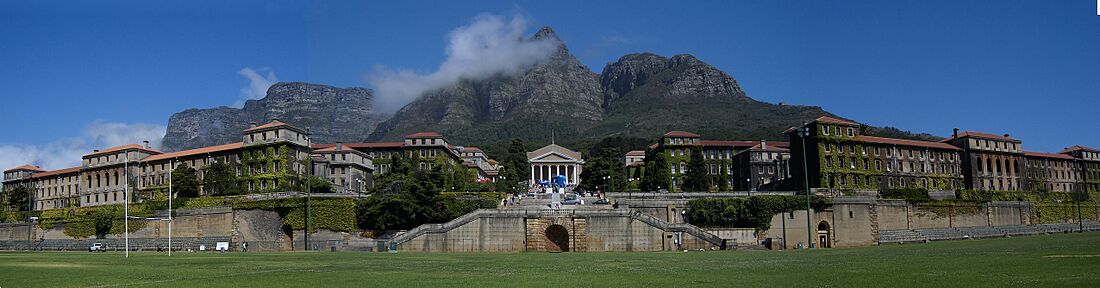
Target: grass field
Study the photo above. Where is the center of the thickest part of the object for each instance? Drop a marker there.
(1064, 260)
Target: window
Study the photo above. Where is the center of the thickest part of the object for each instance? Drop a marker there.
(851, 132)
(825, 130)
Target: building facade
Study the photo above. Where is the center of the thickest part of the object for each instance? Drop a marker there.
(676, 147)
(553, 160)
(1088, 166)
(839, 157)
(349, 170)
(991, 162)
(760, 167)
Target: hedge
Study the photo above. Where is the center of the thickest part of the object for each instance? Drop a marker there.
(752, 212)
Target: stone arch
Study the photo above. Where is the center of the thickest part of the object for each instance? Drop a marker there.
(824, 235)
(557, 238)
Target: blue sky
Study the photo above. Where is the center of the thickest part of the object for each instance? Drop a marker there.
(1028, 68)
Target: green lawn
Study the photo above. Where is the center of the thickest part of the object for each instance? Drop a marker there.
(1066, 260)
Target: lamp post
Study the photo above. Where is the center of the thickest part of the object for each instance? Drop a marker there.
(309, 190)
(1080, 194)
(359, 188)
(30, 207)
(804, 132)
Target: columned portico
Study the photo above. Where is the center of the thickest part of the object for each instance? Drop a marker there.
(553, 160)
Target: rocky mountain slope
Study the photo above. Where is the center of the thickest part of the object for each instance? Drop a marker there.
(560, 95)
(332, 114)
(638, 96)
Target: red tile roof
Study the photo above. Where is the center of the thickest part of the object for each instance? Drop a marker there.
(770, 148)
(981, 135)
(827, 119)
(273, 124)
(905, 142)
(124, 148)
(635, 153)
(25, 167)
(57, 172)
(196, 151)
(471, 149)
(1078, 148)
(680, 134)
(492, 161)
(1047, 155)
(425, 135)
(737, 143)
(653, 146)
(374, 145)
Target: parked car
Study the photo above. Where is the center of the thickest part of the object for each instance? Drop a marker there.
(601, 201)
(571, 201)
(97, 247)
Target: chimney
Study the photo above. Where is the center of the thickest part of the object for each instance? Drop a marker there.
(95, 151)
(146, 144)
(763, 145)
(275, 119)
(956, 133)
(339, 146)
(252, 124)
(1006, 135)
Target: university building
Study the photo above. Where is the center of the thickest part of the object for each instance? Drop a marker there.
(838, 156)
(721, 157)
(432, 150)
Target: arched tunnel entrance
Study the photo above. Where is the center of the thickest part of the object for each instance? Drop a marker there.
(557, 238)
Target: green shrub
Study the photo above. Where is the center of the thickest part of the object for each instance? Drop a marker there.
(909, 194)
(752, 212)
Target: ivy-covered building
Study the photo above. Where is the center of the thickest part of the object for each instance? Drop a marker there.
(430, 148)
(676, 146)
(838, 156)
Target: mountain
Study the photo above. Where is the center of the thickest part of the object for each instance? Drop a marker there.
(332, 114)
(560, 95)
(647, 94)
(640, 95)
(636, 99)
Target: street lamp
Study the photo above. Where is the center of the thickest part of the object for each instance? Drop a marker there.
(309, 190)
(359, 188)
(804, 132)
(1080, 195)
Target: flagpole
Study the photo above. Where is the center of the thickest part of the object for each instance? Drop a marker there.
(126, 201)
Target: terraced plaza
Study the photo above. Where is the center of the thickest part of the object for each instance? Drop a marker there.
(1057, 260)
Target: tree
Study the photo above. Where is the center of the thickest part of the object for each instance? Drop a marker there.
(656, 175)
(516, 167)
(723, 177)
(17, 198)
(220, 180)
(320, 185)
(606, 163)
(696, 178)
(185, 182)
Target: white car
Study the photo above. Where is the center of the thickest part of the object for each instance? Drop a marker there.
(97, 247)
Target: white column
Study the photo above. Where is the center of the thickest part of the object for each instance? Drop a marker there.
(532, 176)
(575, 179)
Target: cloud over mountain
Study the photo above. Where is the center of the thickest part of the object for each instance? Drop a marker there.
(490, 45)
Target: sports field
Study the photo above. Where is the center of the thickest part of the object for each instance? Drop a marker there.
(1064, 260)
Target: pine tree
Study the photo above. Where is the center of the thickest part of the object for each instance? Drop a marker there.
(656, 175)
(184, 182)
(696, 178)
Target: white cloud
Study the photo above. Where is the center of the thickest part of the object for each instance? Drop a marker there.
(258, 82)
(67, 152)
(491, 45)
